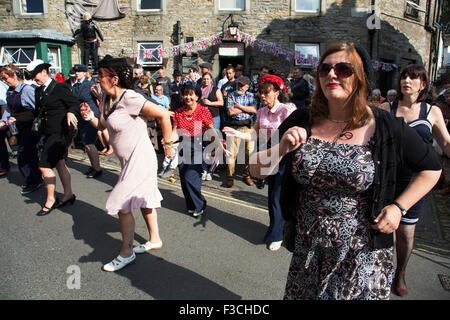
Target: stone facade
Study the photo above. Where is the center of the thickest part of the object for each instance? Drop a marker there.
(398, 39)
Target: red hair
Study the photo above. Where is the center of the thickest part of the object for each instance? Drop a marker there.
(357, 100)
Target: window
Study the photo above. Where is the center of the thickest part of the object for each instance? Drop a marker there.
(151, 5)
(149, 53)
(54, 58)
(235, 5)
(307, 5)
(307, 55)
(20, 56)
(411, 9)
(31, 6)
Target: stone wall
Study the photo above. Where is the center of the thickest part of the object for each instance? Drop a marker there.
(271, 20)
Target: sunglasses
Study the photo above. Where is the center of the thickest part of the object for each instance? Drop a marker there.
(342, 69)
(410, 75)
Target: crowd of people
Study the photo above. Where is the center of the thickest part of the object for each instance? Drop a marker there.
(347, 170)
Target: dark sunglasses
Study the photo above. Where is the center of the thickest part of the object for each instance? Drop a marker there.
(342, 69)
(410, 75)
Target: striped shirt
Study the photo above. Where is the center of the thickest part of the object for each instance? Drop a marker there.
(246, 100)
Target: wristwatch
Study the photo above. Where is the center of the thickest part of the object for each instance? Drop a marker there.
(402, 210)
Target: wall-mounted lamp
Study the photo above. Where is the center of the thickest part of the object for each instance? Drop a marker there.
(232, 27)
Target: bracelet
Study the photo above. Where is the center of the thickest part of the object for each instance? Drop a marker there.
(89, 117)
(166, 147)
(169, 143)
(402, 210)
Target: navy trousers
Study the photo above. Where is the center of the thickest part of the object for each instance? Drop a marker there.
(27, 154)
(4, 156)
(190, 175)
(276, 226)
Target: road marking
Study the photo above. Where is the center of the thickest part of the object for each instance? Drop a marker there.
(178, 186)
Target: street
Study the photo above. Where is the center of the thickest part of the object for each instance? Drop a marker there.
(219, 256)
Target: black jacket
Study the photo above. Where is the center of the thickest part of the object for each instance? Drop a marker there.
(300, 93)
(394, 143)
(55, 103)
(88, 30)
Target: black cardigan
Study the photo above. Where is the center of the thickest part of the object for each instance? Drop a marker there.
(394, 143)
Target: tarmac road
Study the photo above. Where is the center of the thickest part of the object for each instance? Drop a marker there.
(219, 256)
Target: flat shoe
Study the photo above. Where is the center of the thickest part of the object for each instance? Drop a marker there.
(119, 263)
(147, 247)
(274, 246)
(42, 212)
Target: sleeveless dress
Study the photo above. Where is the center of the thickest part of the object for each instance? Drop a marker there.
(137, 186)
(333, 256)
(424, 128)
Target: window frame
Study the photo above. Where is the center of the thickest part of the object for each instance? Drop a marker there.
(230, 9)
(415, 16)
(218, 10)
(139, 10)
(307, 11)
(57, 68)
(19, 47)
(18, 10)
(300, 44)
(141, 51)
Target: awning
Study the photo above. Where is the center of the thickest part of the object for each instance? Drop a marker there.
(45, 34)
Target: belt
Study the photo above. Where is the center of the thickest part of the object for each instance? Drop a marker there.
(20, 113)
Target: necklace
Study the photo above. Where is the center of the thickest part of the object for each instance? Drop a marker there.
(339, 121)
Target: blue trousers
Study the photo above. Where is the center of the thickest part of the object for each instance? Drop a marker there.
(190, 176)
(27, 154)
(276, 226)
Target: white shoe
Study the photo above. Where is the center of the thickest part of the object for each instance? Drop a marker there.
(208, 177)
(274, 246)
(197, 213)
(118, 263)
(204, 175)
(147, 247)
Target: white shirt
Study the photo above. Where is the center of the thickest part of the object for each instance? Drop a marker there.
(47, 83)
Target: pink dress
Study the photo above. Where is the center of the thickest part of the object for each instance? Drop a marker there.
(137, 186)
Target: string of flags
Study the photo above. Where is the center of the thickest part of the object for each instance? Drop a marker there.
(202, 44)
(378, 65)
(156, 54)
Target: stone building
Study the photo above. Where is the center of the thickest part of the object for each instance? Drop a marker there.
(394, 32)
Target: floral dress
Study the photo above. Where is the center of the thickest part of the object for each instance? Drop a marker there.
(334, 257)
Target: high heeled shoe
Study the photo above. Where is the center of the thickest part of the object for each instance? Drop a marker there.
(42, 212)
(71, 200)
(399, 291)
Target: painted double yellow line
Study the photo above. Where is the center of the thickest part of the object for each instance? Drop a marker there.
(207, 194)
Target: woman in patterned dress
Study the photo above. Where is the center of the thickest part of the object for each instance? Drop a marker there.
(340, 159)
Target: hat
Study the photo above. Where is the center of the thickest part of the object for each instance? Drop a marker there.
(36, 66)
(243, 80)
(176, 73)
(72, 73)
(80, 68)
(274, 79)
(206, 65)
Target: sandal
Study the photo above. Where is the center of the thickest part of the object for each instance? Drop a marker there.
(118, 263)
(147, 247)
(274, 246)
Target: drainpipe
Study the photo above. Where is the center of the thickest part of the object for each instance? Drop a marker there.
(372, 34)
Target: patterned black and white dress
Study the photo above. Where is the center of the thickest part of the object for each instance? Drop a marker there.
(333, 256)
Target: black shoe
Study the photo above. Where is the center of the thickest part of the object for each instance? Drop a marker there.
(71, 200)
(32, 187)
(42, 213)
(94, 174)
(90, 171)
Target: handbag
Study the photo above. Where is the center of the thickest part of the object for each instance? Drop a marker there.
(37, 126)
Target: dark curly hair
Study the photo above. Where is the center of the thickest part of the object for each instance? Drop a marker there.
(120, 68)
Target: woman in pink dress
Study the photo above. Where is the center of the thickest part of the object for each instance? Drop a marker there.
(124, 113)
(272, 91)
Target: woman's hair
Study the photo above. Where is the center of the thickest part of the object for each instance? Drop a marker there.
(191, 86)
(12, 70)
(118, 67)
(267, 86)
(414, 71)
(143, 79)
(357, 99)
(208, 74)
